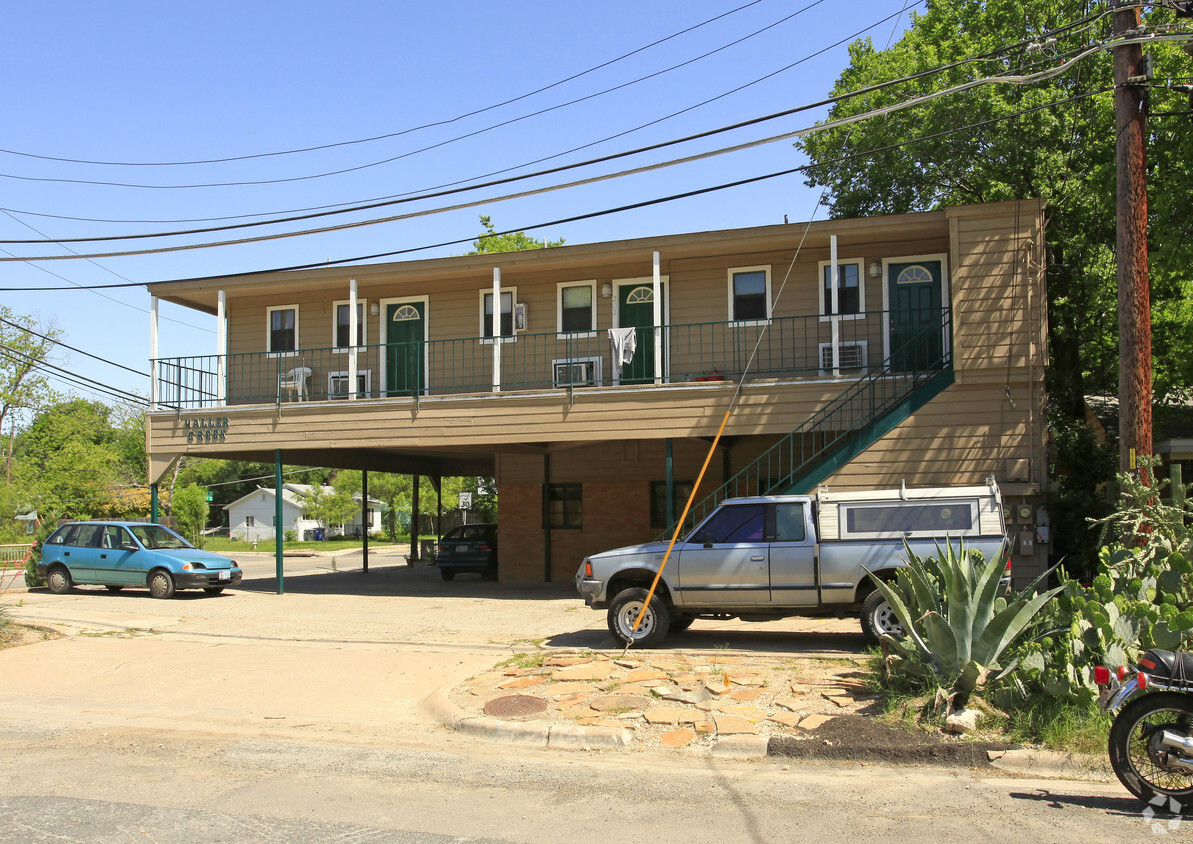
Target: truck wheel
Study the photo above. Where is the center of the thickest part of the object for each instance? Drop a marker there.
(878, 618)
(656, 621)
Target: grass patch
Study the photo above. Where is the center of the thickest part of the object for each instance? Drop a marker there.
(223, 545)
(1058, 726)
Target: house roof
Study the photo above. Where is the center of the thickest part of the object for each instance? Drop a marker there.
(294, 494)
(202, 293)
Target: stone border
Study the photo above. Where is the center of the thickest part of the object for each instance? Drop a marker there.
(565, 736)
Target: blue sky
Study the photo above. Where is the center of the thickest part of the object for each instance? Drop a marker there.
(158, 83)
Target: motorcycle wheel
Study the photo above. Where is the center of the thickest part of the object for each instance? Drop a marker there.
(1139, 760)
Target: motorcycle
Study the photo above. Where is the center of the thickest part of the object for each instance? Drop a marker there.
(1151, 739)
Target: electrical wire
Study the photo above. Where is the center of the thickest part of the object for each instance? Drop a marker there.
(409, 130)
(820, 127)
(20, 327)
(436, 191)
(411, 153)
(57, 372)
(646, 203)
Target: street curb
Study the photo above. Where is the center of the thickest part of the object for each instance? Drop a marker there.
(1052, 764)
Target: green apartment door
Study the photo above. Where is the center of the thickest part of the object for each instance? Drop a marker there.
(405, 348)
(915, 296)
(636, 310)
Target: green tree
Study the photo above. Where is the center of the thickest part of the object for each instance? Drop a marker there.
(21, 385)
(189, 507)
(1063, 152)
(328, 506)
(491, 241)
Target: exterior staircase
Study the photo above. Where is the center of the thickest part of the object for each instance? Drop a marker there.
(845, 427)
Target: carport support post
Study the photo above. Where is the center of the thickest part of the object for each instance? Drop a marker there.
(417, 482)
(364, 516)
(153, 503)
(277, 518)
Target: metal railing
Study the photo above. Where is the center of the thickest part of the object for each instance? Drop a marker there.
(917, 363)
(797, 346)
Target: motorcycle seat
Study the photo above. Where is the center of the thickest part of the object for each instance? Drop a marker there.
(1176, 666)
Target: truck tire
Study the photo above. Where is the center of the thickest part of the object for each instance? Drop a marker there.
(878, 618)
(624, 609)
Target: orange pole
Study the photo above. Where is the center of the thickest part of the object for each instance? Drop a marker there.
(679, 524)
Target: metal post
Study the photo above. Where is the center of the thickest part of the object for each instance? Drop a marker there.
(353, 327)
(1134, 305)
(153, 364)
(414, 506)
(364, 517)
(221, 347)
(658, 320)
(153, 503)
(277, 518)
(834, 306)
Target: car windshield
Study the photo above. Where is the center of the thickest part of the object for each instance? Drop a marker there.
(156, 536)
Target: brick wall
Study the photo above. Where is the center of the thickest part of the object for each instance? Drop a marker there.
(614, 514)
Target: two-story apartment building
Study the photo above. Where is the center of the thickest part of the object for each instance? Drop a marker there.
(589, 380)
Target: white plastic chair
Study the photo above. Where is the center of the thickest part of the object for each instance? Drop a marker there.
(295, 381)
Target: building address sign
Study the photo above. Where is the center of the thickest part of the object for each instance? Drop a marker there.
(208, 429)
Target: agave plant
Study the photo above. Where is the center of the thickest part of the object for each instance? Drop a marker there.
(955, 622)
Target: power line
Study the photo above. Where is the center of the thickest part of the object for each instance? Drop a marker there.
(437, 192)
(19, 356)
(821, 127)
(407, 131)
(646, 203)
(20, 327)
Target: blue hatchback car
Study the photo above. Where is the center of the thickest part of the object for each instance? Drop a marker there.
(120, 554)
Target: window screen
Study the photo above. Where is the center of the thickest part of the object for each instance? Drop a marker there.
(952, 517)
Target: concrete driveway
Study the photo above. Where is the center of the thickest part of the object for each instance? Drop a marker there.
(341, 656)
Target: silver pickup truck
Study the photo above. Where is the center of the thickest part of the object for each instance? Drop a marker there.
(769, 557)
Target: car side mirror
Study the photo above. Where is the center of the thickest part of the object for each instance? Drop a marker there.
(707, 540)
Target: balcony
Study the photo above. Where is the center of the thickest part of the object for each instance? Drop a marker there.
(790, 348)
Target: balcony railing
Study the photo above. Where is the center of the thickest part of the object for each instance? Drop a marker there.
(790, 347)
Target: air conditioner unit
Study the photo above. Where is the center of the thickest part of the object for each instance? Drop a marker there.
(577, 372)
(850, 357)
(337, 384)
(520, 316)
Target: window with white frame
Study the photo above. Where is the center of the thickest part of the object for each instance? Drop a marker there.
(577, 307)
(509, 297)
(342, 328)
(749, 294)
(851, 289)
(250, 521)
(281, 328)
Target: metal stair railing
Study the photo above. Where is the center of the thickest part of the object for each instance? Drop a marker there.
(862, 407)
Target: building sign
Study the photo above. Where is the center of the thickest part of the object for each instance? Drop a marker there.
(207, 429)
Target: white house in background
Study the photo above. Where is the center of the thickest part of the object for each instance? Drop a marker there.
(252, 517)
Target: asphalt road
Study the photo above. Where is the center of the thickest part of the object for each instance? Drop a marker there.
(255, 716)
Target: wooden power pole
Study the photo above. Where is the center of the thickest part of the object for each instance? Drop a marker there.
(1134, 296)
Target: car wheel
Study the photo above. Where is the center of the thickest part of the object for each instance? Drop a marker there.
(161, 584)
(213, 590)
(112, 588)
(623, 611)
(59, 580)
(879, 618)
(681, 623)
(447, 575)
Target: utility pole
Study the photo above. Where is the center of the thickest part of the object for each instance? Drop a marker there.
(1134, 295)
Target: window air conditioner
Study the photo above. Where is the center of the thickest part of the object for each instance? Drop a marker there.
(337, 384)
(850, 356)
(577, 373)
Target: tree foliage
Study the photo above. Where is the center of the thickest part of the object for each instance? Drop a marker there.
(491, 241)
(190, 508)
(1062, 152)
(21, 387)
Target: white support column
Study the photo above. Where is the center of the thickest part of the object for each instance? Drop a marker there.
(835, 319)
(221, 347)
(353, 328)
(497, 329)
(153, 388)
(658, 322)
